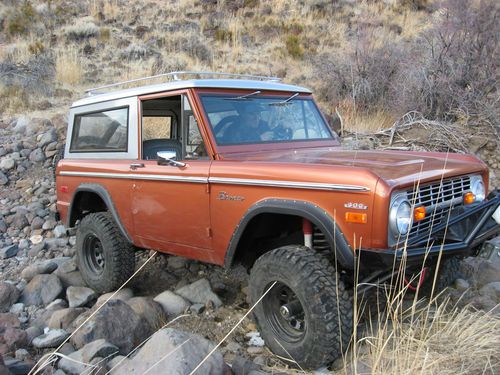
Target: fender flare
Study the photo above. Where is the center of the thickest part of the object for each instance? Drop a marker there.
(106, 197)
(319, 217)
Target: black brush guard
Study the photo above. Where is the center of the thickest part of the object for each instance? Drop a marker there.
(463, 234)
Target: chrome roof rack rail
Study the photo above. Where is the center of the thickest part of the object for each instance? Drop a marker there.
(175, 77)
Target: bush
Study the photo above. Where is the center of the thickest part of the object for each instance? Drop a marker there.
(294, 47)
(82, 31)
(449, 73)
(21, 19)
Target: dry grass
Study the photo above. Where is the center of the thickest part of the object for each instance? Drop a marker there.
(435, 339)
(69, 69)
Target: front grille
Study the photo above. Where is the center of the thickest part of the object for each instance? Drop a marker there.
(437, 198)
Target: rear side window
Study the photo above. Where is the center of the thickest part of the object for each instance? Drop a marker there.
(104, 131)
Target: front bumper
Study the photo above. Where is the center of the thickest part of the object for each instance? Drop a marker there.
(463, 234)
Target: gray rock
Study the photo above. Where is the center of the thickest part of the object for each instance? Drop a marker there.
(199, 292)
(123, 294)
(79, 296)
(47, 138)
(69, 274)
(51, 339)
(172, 303)
(42, 289)
(57, 304)
(37, 222)
(148, 310)
(491, 290)
(3, 179)
(38, 268)
(64, 317)
(49, 224)
(179, 352)
(115, 322)
(37, 155)
(197, 308)
(9, 295)
(21, 354)
(17, 366)
(32, 332)
(9, 251)
(461, 285)
(487, 272)
(242, 366)
(17, 308)
(7, 163)
(59, 231)
(96, 349)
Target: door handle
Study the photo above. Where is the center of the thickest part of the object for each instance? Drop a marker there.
(134, 166)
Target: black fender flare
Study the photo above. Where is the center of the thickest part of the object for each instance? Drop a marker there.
(319, 217)
(106, 198)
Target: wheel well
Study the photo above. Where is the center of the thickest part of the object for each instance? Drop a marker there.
(84, 203)
(264, 232)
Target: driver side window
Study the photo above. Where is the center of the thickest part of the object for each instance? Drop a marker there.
(168, 124)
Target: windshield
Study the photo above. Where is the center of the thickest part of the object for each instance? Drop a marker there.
(252, 119)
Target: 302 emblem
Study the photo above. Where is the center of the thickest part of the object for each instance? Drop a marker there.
(356, 206)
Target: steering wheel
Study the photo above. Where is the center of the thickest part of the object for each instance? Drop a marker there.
(223, 123)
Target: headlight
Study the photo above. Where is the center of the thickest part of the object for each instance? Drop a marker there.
(400, 216)
(477, 188)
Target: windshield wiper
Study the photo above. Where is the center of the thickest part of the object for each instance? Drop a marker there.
(244, 97)
(286, 101)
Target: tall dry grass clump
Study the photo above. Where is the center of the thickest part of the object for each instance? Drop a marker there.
(438, 338)
(69, 69)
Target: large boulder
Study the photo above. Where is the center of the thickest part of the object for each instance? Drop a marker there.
(172, 303)
(148, 310)
(177, 351)
(80, 296)
(9, 295)
(31, 271)
(51, 339)
(199, 292)
(64, 317)
(116, 322)
(42, 290)
(95, 349)
(69, 274)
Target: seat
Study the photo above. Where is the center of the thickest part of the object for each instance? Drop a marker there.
(152, 146)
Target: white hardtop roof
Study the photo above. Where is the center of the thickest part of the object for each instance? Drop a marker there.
(176, 85)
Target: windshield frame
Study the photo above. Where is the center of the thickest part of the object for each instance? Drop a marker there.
(333, 141)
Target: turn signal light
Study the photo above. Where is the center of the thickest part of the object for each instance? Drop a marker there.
(419, 213)
(356, 217)
(469, 198)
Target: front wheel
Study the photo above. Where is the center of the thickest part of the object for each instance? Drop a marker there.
(105, 258)
(306, 316)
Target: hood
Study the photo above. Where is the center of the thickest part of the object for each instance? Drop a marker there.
(394, 167)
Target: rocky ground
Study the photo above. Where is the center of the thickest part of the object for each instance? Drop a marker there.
(185, 305)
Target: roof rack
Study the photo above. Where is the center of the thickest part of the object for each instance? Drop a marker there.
(175, 76)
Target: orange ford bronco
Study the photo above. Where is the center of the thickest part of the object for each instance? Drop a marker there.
(245, 170)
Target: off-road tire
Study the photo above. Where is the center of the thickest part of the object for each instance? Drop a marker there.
(448, 272)
(326, 305)
(118, 258)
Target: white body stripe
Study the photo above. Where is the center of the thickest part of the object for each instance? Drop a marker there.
(219, 180)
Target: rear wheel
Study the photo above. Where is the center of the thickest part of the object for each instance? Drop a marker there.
(306, 316)
(105, 258)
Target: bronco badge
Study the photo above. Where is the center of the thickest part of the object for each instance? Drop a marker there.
(223, 196)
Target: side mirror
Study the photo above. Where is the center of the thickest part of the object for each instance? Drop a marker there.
(168, 158)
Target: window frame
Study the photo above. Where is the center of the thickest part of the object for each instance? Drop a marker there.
(80, 115)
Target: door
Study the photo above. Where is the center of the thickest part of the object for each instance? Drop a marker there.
(171, 203)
